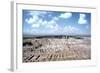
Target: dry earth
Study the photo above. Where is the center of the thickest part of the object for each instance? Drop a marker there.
(56, 49)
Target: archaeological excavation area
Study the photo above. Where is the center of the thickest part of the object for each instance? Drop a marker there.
(44, 49)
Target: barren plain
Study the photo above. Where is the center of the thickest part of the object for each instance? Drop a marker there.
(56, 49)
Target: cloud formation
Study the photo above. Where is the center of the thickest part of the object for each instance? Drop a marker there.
(82, 19)
(65, 15)
(37, 22)
(53, 23)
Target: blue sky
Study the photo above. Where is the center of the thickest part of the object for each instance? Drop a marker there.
(56, 23)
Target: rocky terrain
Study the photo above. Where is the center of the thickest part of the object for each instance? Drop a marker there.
(56, 49)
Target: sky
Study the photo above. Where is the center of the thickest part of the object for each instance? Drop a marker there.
(37, 22)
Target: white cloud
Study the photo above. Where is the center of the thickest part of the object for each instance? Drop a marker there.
(56, 18)
(43, 22)
(71, 30)
(35, 16)
(52, 26)
(37, 22)
(37, 13)
(33, 19)
(65, 15)
(82, 19)
(68, 30)
(36, 25)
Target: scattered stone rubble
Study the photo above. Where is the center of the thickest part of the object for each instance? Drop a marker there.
(56, 49)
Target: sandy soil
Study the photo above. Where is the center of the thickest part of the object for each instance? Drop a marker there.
(55, 49)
